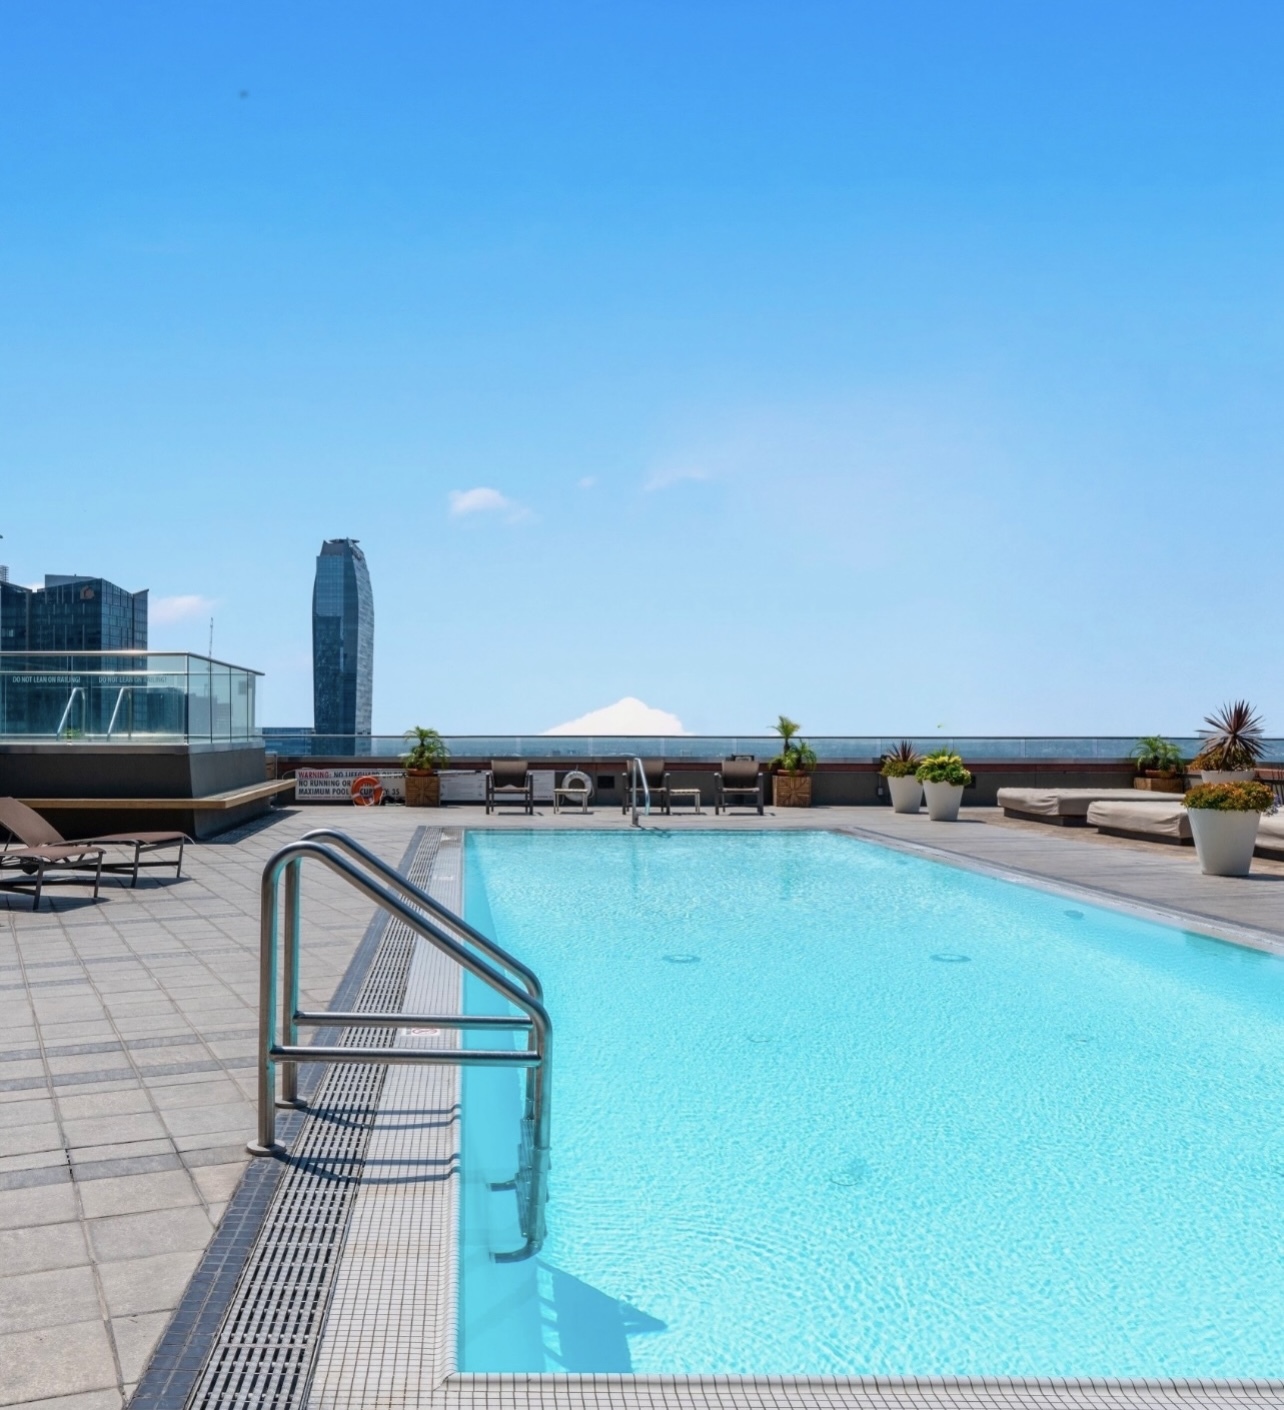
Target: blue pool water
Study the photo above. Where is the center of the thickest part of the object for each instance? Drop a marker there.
(820, 1108)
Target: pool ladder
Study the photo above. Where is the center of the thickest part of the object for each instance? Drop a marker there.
(453, 937)
(637, 776)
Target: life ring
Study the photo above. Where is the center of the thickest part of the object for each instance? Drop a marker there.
(580, 781)
(367, 791)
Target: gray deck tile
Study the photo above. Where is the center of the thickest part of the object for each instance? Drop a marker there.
(136, 1191)
(122, 1236)
(135, 1337)
(56, 1361)
(36, 1247)
(47, 1299)
(20, 1209)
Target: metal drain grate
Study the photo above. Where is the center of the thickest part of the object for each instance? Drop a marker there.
(267, 1343)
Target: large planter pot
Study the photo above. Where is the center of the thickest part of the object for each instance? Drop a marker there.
(1227, 775)
(1223, 841)
(423, 790)
(1154, 782)
(791, 790)
(943, 801)
(907, 794)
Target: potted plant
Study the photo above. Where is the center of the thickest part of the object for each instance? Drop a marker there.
(1159, 764)
(427, 754)
(792, 768)
(1223, 821)
(899, 770)
(1231, 747)
(943, 778)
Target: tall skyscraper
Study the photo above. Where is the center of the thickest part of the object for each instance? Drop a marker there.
(342, 640)
(72, 613)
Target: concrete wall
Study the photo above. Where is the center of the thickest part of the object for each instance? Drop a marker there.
(178, 771)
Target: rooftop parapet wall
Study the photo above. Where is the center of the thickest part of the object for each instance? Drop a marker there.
(855, 749)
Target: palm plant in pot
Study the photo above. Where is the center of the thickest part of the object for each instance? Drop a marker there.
(1232, 746)
(944, 778)
(428, 753)
(1223, 822)
(898, 768)
(1159, 764)
(792, 768)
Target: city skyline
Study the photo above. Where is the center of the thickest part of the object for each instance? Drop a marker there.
(881, 367)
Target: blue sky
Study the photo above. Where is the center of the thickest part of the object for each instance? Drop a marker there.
(893, 366)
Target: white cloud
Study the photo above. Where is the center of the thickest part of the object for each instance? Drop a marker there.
(668, 476)
(587, 482)
(164, 611)
(482, 500)
(627, 716)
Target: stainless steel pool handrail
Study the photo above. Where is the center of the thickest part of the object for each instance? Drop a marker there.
(496, 954)
(532, 1177)
(637, 771)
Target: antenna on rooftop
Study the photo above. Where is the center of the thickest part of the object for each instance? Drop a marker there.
(211, 650)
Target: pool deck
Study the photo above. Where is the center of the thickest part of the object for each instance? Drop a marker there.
(127, 1034)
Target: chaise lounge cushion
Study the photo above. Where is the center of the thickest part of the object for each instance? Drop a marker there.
(1058, 803)
(1270, 835)
(1168, 821)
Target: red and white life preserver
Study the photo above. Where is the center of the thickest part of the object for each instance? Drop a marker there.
(367, 791)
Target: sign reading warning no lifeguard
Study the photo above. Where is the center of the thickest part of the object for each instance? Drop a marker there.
(335, 785)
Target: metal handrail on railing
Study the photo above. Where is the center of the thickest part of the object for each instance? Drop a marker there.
(532, 1177)
(120, 700)
(637, 771)
(76, 690)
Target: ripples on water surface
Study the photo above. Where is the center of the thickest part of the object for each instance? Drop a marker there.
(819, 1112)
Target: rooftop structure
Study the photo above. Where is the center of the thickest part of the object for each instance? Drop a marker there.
(342, 640)
(72, 613)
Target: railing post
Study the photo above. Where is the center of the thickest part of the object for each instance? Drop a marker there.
(290, 982)
(266, 1143)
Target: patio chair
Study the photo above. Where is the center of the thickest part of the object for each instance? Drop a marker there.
(32, 830)
(32, 864)
(509, 781)
(740, 777)
(657, 780)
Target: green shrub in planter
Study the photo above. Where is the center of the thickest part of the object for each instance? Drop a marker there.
(1159, 755)
(942, 767)
(902, 762)
(1233, 739)
(1231, 797)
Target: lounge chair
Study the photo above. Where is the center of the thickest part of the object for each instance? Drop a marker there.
(1149, 821)
(739, 777)
(31, 864)
(657, 781)
(509, 781)
(34, 831)
(1068, 807)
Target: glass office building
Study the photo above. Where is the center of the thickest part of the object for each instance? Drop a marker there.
(342, 640)
(72, 613)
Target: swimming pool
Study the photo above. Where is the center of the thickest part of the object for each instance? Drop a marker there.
(824, 1108)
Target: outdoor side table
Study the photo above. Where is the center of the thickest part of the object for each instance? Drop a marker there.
(693, 794)
(570, 794)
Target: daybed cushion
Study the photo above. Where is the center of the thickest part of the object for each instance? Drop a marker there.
(1073, 802)
(1270, 834)
(1143, 819)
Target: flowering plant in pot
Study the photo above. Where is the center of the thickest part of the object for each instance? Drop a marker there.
(1232, 746)
(944, 778)
(428, 753)
(899, 769)
(1159, 764)
(792, 768)
(1223, 822)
